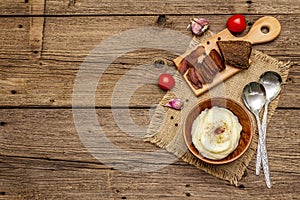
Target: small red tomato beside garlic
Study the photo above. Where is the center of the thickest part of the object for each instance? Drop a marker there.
(166, 81)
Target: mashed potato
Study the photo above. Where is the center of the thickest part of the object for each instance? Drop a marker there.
(216, 133)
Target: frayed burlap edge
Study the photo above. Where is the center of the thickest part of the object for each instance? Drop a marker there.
(165, 128)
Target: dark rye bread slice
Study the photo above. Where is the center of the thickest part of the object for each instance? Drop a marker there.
(235, 53)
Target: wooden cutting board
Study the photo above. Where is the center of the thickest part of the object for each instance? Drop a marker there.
(254, 36)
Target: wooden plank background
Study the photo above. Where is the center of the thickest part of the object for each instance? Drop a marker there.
(67, 43)
(43, 44)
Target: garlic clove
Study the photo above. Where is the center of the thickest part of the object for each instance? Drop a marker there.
(176, 104)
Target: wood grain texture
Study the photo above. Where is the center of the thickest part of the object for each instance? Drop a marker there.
(107, 7)
(17, 7)
(64, 34)
(51, 133)
(42, 156)
(49, 80)
(153, 7)
(36, 28)
(43, 44)
(40, 179)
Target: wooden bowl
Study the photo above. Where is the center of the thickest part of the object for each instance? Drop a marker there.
(243, 116)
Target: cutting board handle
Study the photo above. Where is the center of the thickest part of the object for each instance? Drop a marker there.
(256, 34)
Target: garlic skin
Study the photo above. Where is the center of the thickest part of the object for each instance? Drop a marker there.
(176, 104)
(198, 26)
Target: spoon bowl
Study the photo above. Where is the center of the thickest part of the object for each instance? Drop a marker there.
(272, 84)
(254, 97)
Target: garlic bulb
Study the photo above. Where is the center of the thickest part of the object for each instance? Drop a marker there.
(198, 26)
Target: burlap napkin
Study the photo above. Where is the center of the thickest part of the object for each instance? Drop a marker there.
(165, 129)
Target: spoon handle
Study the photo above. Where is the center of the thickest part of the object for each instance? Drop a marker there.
(258, 153)
(264, 133)
(258, 159)
(264, 120)
(264, 154)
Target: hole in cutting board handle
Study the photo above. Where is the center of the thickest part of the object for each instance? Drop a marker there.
(265, 29)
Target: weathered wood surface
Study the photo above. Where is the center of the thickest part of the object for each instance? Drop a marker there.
(43, 44)
(42, 156)
(68, 41)
(169, 7)
(128, 7)
(17, 7)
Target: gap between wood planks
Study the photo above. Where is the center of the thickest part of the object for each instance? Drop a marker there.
(57, 160)
(103, 107)
(96, 163)
(129, 15)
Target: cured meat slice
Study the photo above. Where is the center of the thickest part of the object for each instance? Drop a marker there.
(218, 60)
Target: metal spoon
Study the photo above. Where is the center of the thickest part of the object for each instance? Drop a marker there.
(272, 84)
(254, 97)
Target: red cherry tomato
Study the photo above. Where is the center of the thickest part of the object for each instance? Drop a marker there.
(236, 23)
(166, 81)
